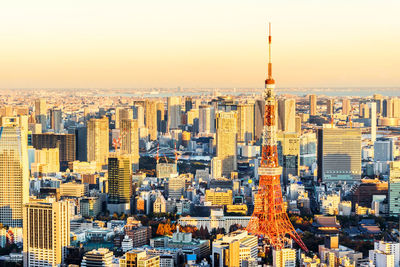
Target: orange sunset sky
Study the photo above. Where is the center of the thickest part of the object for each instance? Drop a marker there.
(128, 44)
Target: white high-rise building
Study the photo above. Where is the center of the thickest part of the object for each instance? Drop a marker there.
(206, 119)
(385, 254)
(14, 169)
(46, 233)
(174, 112)
(373, 121)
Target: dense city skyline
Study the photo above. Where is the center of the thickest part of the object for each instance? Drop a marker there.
(130, 168)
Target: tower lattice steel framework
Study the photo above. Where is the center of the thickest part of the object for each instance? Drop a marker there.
(270, 220)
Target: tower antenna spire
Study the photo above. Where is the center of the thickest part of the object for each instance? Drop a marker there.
(269, 52)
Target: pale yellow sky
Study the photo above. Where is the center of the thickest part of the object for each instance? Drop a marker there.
(219, 43)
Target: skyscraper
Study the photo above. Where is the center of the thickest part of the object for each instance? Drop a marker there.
(206, 119)
(40, 106)
(130, 140)
(364, 110)
(330, 106)
(56, 120)
(161, 123)
(259, 110)
(339, 154)
(41, 112)
(174, 112)
(287, 115)
(289, 154)
(313, 105)
(378, 99)
(384, 149)
(119, 184)
(151, 118)
(188, 104)
(387, 108)
(138, 114)
(245, 122)
(346, 106)
(80, 133)
(373, 121)
(97, 140)
(14, 169)
(227, 141)
(394, 188)
(46, 233)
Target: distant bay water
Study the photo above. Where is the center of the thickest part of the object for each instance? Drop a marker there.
(336, 92)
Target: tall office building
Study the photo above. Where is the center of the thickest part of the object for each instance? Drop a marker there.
(161, 123)
(384, 149)
(138, 114)
(119, 184)
(46, 233)
(259, 110)
(346, 106)
(206, 119)
(378, 99)
(80, 133)
(330, 106)
(14, 169)
(364, 110)
(289, 154)
(396, 107)
(130, 140)
(373, 113)
(151, 118)
(174, 112)
(227, 141)
(97, 140)
(41, 112)
(287, 115)
(394, 188)
(40, 106)
(339, 154)
(56, 120)
(245, 123)
(313, 105)
(188, 104)
(391, 107)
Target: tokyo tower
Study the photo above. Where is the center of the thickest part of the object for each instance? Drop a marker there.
(270, 220)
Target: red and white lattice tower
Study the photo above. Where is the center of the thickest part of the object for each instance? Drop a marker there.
(270, 220)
